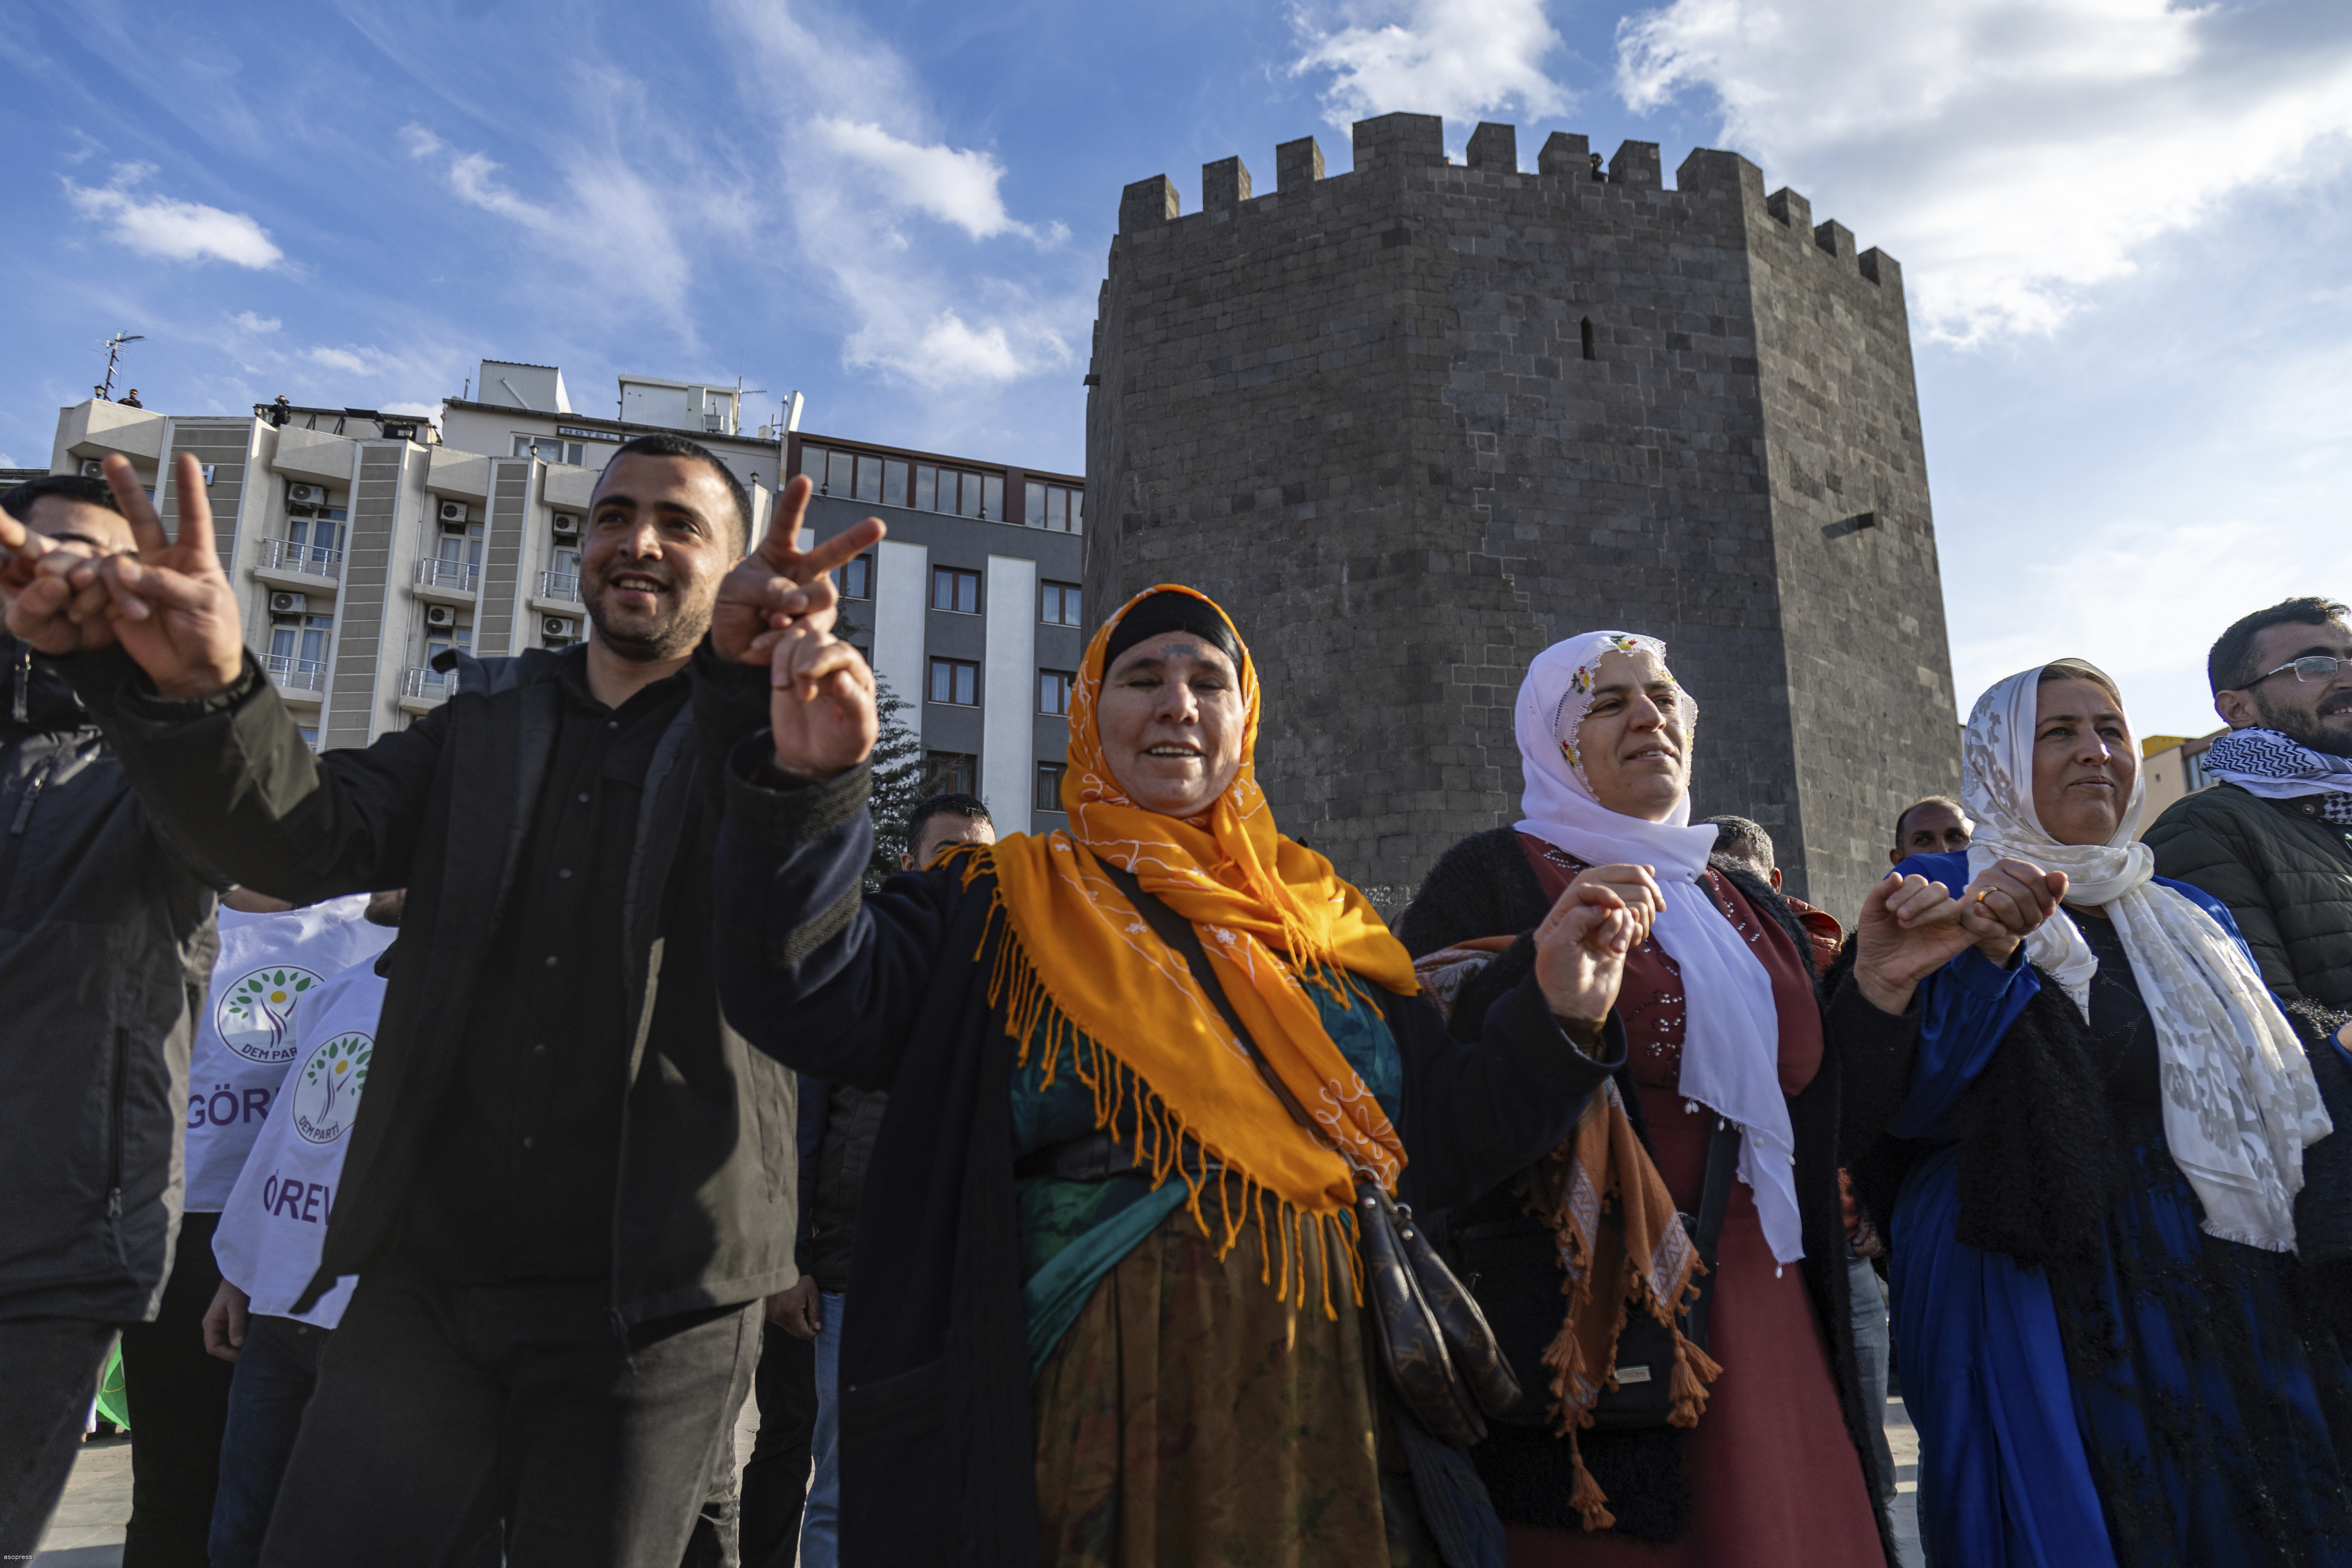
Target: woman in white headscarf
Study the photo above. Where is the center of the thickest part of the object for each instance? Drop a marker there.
(2107, 1344)
(1722, 1019)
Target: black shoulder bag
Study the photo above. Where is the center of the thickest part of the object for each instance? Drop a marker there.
(1436, 1346)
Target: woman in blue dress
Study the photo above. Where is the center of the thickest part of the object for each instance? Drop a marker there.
(2108, 1345)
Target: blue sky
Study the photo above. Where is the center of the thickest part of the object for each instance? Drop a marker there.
(2122, 224)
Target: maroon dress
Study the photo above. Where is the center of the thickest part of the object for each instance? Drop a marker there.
(1774, 1481)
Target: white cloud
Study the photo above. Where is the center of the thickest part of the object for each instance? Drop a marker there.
(953, 184)
(2012, 156)
(256, 323)
(170, 228)
(611, 222)
(1459, 59)
(921, 307)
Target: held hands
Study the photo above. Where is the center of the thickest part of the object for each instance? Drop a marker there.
(1582, 945)
(1911, 927)
(44, 607)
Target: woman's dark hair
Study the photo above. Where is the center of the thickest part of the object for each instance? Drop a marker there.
(679, 447)
(18, 503)
(2231, 666)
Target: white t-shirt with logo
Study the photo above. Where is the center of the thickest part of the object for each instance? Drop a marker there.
(269, 964)
(274, 1226)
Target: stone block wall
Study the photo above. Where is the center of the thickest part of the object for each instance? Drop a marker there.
(1414, 422)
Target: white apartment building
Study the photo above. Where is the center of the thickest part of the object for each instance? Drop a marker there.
(363, 544)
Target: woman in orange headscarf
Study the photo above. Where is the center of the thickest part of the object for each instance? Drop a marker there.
(1106, 1300)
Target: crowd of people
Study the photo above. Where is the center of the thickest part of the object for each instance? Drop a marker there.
(552, 1081)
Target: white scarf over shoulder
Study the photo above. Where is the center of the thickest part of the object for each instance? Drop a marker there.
(2239, 1102)
(1731, 1038)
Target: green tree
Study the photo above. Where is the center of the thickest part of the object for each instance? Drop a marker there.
(898, 784)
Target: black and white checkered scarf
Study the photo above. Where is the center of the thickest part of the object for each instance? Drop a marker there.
(2267, 764)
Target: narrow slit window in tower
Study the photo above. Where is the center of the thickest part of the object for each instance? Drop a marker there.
(1588, 337)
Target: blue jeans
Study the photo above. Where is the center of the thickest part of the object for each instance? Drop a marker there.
(275, 1372)
(1870, 1347)
(820, 1518)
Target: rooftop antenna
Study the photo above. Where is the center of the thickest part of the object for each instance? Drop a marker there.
(740, 392)
(113, 347)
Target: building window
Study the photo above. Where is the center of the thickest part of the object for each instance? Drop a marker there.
(310, 737)
(950, 773)
(1054, 691)
(1586, 330)
(1059, 605)
(855, 578)
(952, 589)
(957, 490)
(1054, 508)
(1049, 786)
(955, 681)
(548, 449)
(439, 640)
(297, 651)
(2193, 769)
(314, 541)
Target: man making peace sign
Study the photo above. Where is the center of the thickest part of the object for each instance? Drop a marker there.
(570, 1183)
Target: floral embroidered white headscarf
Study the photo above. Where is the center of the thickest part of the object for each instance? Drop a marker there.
(1732, 1039)
(2239, 1102)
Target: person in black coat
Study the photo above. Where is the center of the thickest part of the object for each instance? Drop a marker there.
(1013, 1216)
(106, 947)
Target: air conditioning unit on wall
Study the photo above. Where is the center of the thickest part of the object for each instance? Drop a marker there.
(93, 469)
(306, 495)
(452, 512)
(556, 631)
(564, 525)
(283, 604)
(440, 617)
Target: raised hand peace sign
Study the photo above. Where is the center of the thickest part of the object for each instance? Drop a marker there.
(172, 607)
(779, 584)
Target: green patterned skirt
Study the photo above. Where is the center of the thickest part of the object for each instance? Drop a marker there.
(1188, 1418)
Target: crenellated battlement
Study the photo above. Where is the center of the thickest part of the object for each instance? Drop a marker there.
(1391, 145)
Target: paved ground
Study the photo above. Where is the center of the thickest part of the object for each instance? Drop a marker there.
(87, 1530)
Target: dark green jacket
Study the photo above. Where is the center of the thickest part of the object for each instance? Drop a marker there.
(2285, 871)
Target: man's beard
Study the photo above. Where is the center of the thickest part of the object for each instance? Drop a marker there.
(670, 636)
(2305, 730)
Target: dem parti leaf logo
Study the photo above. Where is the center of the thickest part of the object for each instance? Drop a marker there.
(327, 1095)
(256, 1013)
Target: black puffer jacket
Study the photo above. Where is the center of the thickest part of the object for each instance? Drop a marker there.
(2286, 873)
(1485, 887)
(105, 946)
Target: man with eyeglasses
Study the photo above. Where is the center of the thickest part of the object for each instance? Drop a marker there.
(2274, 841)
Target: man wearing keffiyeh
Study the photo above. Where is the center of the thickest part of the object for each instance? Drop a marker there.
(2273, 840)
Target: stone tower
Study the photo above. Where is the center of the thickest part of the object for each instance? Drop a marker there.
(1411, 423)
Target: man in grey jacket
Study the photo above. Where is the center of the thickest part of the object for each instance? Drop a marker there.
(106, 943)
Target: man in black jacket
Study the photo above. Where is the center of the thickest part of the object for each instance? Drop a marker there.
(106, 944)
(2272, 840)
(570, 1183)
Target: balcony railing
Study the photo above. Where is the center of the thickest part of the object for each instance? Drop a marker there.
(294, 674)
(559, 586)
(293, 555)
(428, 683)
(433, 572)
